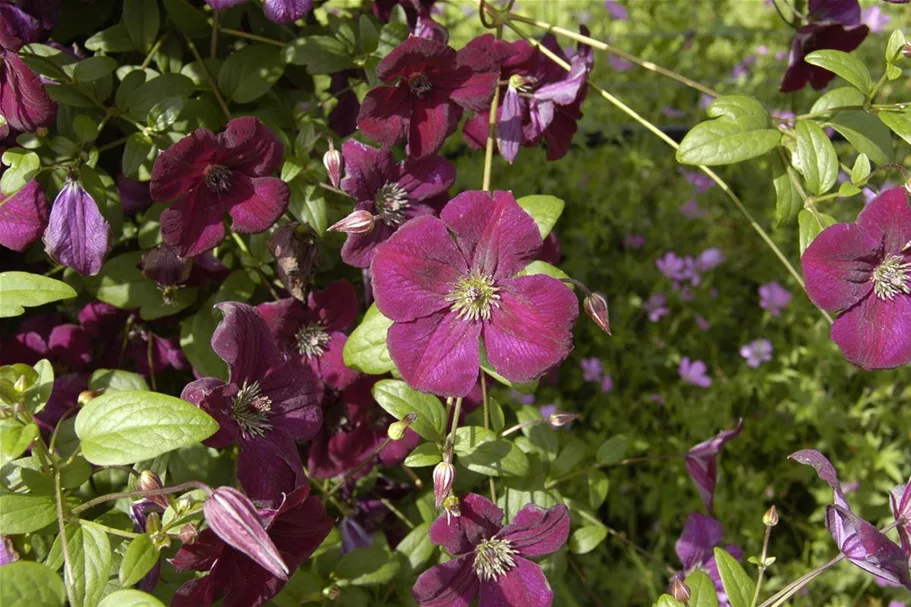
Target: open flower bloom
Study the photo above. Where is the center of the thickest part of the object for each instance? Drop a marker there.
(277, 11)
(862, 543)
(23, 216)
(900, 498)
(443, 294)
(267, 405)
(702, 463)
(492, 560)
(206, 175)
(296, 527)
(392, 193)
(694, 372)
(695, 549)
(431, 84)
(863, 269)
(24, 106)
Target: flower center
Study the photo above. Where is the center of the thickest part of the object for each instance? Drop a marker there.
(891, 277)
(493, 558)
(473, 296)
(251, 410)
(312, 340)
(218, 178)
(391, 203)
(419, 84)
(523, 84)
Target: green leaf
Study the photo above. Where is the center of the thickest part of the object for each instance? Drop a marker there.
(25, 513)
(847, 66)
(139, 150)
(31, 584)
(666, 600)
(86, 128)
(320, 54)
(542, 267)
(94, 68)
(598, 486)
(540, 435)
(426, 454)
(817, 158)
(365, 349)
(702, 590)
(308, 205)
(397, 399)
(739, 132)
(841, 97)
(544, 209)
(15, 438)
(23, 165)
(808, 227)
(366, 566)
(115, 39)
(787, 199)
(165, 113)
(369, 34)
(249, 73)
(612, 451)
(571, 457)
(416, 546)
(188, 19)
(19, 290)
(899, 122)
(848, 189)
(139, 101)
(126, 427)
(866, 133)
(39, 391)
(861, 170)
(737, 584)
(117, 379)
(130, 598)
(141, 19)
(585, 539)
(89, 567)
(195, 339)
(138, 560)
(481, 451)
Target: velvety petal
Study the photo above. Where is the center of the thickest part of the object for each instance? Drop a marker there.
(437, 354)
(425, 177)
(869, 548)
(531, 329)
(415, 55)
(335, 307)
(101, 320)
(540, 116)
(360, 249)
(846, 12)
(876, 333)
(223, 4)
(565, 91)
(367, 169)
(77, 235)
(495, 233)
(473, 79)
(331, 365)
(838, 264)
(702, 463)
(474, 131)
(23, 101)
(525, 585)
(295, 394)
(249, 147)
(134, 195)
(700, 535)
(215, 398)
(17, 27)
(71, 346)
(242, 340)
(429, 126)
(509, 124)
(888, 219)
(23, 217)
(300, 526)
(284, 319)
(385, 113)
(537, 532)
(450, 584)
(479, 519)
(825, 470)
(415, 270)
(286, 11)
(181, 167)
(194, 223)
(269, 466)
(559, 135)
(201, 554)
(263, 201)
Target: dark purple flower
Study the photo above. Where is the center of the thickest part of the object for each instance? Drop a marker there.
(492, 560)
(23, 103)
(207, 175)
(134, 195)
(694, 372)
(17, 27)
(757, 352)
(444, 293)
(343, 117)
(23, 217)
(863, 270)
(277, 11)
(268, 404)
(695, 549)
(774, 298)
(77, 235)
(431, 85)
(702, 463)
(296, 528)
(392, 193)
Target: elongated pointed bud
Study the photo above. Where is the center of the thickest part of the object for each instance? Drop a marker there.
(596, 307)
(558, 419)
(906, 51)
(358, 222)
(770, 518)
(188, 533)
(149, 481)
(680, 591)
(443, 478)
(332, 160)
(233, 518)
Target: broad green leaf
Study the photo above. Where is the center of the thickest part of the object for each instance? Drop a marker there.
(369, 34)
(469, 438)
(746, 111)
(541, 435)
(138, 150)
(737, 584)
(598, 486)
(497, 416)
(94, 68)
(86, 128)
(740, 131)
(138, 560)
(481, 451)
(365, 349)
(787, 199)
(117, 379)
(308, 205)
(320, 54)
(585, 539)
(571, 456)
(87, 572)
(25, 513)
(39, 391)
(847, 66)
(416, 546)
(702, 590)
(125, 427)
(249, 73)
(23, 165)
(366, 566)
(115, 39)
(165, 113)
(808, 227)
(427, 454)
(303, 588)
(612, 451)
(130, 598)
(542, 267)
(139, 101)
(866, 133)
(861, 170)
(666, 600)
(141, 19)
(15, 438)
(19, 290)
(195, 337)
(845, 96)
(188, 19)
(31, 584)
(398, 400)
(817, 158)
(899, 122)
(848, 189)
(544, 209)
(894, 54)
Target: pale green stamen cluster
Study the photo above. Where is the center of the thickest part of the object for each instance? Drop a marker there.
(251, 410)
(891, 277)
(391, 203)
(474, 296)
(523, 84)
(493, 558)
(312, 340)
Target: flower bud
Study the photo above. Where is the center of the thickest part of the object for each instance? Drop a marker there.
(770, 518)
(153, 523)
(188, 533)
(906, 51)
(397, 429)
(86, 396)
(596, 307)
(358, 222)
(149, 481)
(443, 478)
(680, 590)
(558, 419)
(332, 160)
(233, 518)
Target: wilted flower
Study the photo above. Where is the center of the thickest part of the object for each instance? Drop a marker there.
(24, 106)
(701, 534)
(656, 307)
(492, 560)
(680, 591)
(694, 372)
(757, 352)
(296, 251)
(774, 298)
(443, 294)
(77, 235)
(23, 216)
(702, 463)
(277, 11)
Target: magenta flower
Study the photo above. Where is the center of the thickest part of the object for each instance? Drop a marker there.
(23, 216)
(656, 307)
(757, 352)
(296, 527)
(392, 193)
(774, 298)
(492, 560)
(694, 372)
(24, 106)
(77, 235)
(607, 384)
(444, 293)
(702, 463)
(268, 404)
(431, 84)
(863, 270)
(277, 11)
(206, 175)
(701, 534)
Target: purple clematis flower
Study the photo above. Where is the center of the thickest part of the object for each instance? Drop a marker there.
(695, 549)
(444, 293)
(702, 463)
(23, 217)
(431, 84)
(774, 298)
(314, 332)
(492, 560)
(277, 11)
(268, 404)
(207, 175)
(694, 372)
(77, 235)
(757, 352)
(393, 193)
(900, 499)
(24, 106)
(862, 543)
(863, 269)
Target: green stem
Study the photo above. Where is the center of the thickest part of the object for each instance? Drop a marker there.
(398, 513)
(213, 38)
(240, 243)
(486, 405)
(762, 567)
(211, 81)
(254, 37)
(879, 84)
(356, 469)
(133, 494)
(491, 137)
(148, 58)
(111, 530)
(61, 528)
(113, 144)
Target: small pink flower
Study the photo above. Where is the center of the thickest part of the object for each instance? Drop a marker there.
(774, 298)
(694, 372)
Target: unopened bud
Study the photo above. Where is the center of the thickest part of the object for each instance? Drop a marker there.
(906, 50)
(680, 591)
(397, 429)
(21, 384)
(87, 396)
(188, 533)
(558, 419)
(358, 222)
(443, 478)
(153, 523)
(332, 160)
(596, 307)
(770, 518)
(149, 481)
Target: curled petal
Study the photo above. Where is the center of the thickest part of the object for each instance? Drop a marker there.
(214, 397)
(888, 219)
(415, 55)
(479, 519)
(702, 463)
(430, 124)
(286, 11)
(700, 535)
(449, 584)
(335, 307)
(509, 124)
(867, 547)
(23, 101)
(426, 177)
(77, 235)
(269, 466)
(242, 340)
(249, 147)
(825, 470)
(900, 498)
(367, 169)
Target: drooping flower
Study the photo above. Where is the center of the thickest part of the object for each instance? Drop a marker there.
(429, 85)
(695, 549)
(268, 404)
(296, 527)
(492, 560)
(77, 235)
(443, 294)
(206, 175)
(392, 193)
(702, 463)
(757, 352)
(277, 11)
(863, 270)
(900, 499)
(24, 106)
(23, 217)
(774, 298)
(694, 372)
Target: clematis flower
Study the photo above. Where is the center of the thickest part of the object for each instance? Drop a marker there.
(863, 270)
(757, 352)
(900, 499)
(492, 560)
(443, 294)
(392, 193)
(267, 406)
(207, 175)
(694, 372)
(296, 527)
(277, 11)
(430, 85)
(702, 463)
(862, 543)
(77, 235)
(24, 106)
(774, 298)
(23, 217)
(701, 534)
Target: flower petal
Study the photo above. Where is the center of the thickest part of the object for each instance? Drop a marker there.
(509, 124)
(180, 168)
(367, 169)
(24, 217)
(449, 584)
(431, 119)
(249, 147)
(194, 224)
(700, 535)
(702, 464)
(474, 131)
(825, 470)
(525, 585)
(479, 519)
(415, 55)
(331, 365)
(269, 466)
(838, 264)
(876, 333)
(360, 249)
(900, 499)
(23, 101)
(473, 80)
(426, 177)
(17, 27)
(77, 235)
(214, 397)
(335, 307)
(258, 204)
(869, 548)
(286, 11)
(242, 340)
(385, 114)
(888, 219)
(536, 532)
